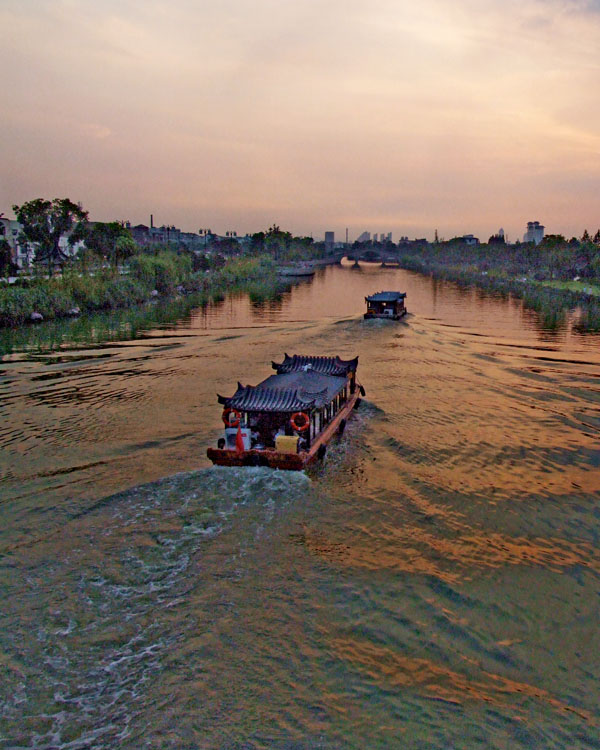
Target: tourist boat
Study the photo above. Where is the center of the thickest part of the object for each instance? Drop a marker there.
(388, 305)
(287, 420)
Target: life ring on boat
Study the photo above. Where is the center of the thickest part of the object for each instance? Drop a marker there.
(304, 421)
(227, 421)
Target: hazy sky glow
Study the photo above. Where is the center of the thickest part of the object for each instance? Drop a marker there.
(460, 115)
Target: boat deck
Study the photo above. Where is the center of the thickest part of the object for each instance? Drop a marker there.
(287, 461)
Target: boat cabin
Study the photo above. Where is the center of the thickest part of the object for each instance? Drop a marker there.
(293, 411)
(386, 305)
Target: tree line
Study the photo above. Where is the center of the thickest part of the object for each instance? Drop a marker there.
(53, 229)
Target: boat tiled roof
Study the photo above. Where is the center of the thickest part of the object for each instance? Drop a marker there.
(287, 392)
(386, 297)
(322, 365)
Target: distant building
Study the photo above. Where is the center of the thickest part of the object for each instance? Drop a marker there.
(22, 251)
(364, 237)
(534, 233)
(10, 229)
(329, 241)
(470, 239)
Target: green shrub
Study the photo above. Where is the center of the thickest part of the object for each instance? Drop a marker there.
(163, 271)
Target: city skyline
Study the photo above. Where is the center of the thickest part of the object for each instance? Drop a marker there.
(460, 117)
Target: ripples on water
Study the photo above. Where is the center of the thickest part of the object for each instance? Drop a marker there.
(434, 584)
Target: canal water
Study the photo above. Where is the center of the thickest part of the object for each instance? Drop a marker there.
(434, 584)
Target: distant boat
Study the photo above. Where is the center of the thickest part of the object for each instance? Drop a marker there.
(297, 269)
(388, 305)
(330, 260)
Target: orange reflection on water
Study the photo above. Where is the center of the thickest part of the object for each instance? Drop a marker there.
(411, 549)
(383, 665)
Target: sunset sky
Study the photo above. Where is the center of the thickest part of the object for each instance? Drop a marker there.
(379, 115)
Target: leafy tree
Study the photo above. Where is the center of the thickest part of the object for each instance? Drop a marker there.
(585, 237)
(559, 260)
(110, 240)
(552, 241)
(596, 239)
(277, 241)
(257, 243)
(125, 247)
(7, 266)
(46, 222)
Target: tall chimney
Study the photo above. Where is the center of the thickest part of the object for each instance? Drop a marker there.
(151, 221)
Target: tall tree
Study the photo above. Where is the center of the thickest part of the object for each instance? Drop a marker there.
(46, 222)
(277, 241)
(6, 262)
(110, 240)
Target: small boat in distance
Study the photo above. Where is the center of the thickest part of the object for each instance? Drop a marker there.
(287, 420)
(297, 269)
(388, 305)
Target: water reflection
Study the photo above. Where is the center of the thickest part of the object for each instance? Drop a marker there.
(393, 670)
(434, 582)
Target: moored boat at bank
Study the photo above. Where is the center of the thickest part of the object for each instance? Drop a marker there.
(303, 268)
(287, 420)
(388, 305)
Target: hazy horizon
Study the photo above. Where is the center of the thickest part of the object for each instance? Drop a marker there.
(460, 116)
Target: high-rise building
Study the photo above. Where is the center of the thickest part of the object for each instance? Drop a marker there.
(329, 240)
(534, 233)
(364, 237)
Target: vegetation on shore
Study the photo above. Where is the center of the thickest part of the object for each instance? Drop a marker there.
(101, 267)
(149, 276)
(110, 271)
(554, 278)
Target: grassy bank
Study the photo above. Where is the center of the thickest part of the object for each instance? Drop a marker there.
(507, 274)
(150, 276)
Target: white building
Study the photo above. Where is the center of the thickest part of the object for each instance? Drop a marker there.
(23, 252)
(10, 230)
(534, 233)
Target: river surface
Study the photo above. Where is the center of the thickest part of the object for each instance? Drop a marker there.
(434, 584)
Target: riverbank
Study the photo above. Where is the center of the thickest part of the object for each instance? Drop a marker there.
(149, 277)
(506, 272)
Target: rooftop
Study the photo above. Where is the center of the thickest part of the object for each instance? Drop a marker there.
(287, 392)
(322, 365)
(386, 297)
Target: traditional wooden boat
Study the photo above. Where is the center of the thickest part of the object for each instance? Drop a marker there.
(388, 305)
(287, 420)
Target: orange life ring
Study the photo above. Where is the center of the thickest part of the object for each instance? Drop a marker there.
(226, 417)
(304, 425)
